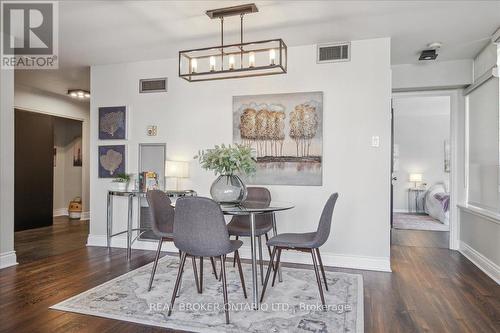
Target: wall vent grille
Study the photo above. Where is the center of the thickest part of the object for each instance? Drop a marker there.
(334, 52)
(153, 85)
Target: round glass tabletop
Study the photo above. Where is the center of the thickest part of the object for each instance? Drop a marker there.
(256, 207)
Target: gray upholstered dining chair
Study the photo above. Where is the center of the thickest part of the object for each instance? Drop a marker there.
(239, 225)
(306, 242)
(162, 218)
(200, 231)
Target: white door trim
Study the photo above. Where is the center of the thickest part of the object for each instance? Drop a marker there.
(456, 191)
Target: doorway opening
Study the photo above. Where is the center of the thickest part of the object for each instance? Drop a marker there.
(421, 169)
(48, 176)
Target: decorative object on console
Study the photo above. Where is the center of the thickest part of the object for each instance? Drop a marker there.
(111, 161)
(120, 183)
(416, 178)
(112, 123)
(286, 131)
(176, 169)
(148, 180)
(226, 161)
(258, 58)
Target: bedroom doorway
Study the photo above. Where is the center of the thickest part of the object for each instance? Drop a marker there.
(421, 168)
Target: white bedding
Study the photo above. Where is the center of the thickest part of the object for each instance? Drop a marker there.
(433, 206)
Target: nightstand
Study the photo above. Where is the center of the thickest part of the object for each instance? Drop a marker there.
(416, 204)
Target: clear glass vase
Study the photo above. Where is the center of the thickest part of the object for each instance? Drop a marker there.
(228, 190)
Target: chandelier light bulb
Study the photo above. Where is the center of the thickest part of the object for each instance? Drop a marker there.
(251, 59)
(231, 62)
(194, 65)
(212, 63)
(272, 57)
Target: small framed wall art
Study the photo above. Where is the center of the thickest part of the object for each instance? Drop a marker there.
(111, 161)
(113, 123)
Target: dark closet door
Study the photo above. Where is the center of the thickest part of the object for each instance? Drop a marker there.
(34, 173)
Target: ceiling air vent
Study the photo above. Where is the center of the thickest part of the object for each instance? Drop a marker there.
(334, 52)
(153, 85)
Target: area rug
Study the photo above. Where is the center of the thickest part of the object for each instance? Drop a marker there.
(417, 222)
(290, 306)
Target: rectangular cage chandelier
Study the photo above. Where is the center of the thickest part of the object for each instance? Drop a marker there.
(245, 59)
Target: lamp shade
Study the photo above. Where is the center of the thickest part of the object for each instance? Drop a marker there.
(415, 177)
(176, 169)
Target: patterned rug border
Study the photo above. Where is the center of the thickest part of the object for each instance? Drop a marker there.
(170, 325)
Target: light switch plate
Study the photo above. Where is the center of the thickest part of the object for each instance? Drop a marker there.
(375, 141)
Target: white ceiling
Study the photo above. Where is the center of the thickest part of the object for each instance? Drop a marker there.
(102, 32)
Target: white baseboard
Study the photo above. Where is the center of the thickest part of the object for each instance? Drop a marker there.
(85, 216)
(400, 210)
(8, 259)
(60, 212)
(487, 266)
(329, 259)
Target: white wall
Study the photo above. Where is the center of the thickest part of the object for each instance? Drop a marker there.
(67, 178)
(198, 115)
(480, 228)
(432, 74)
(32, 99)
(7, 253)
(421, 125)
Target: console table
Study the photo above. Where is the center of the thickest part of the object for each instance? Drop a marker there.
(130, 195)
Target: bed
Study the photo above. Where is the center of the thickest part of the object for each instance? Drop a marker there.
(437, 203)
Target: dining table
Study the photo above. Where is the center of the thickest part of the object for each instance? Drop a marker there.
(252, 209)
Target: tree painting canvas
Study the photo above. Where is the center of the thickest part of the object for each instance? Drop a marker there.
(112, 123)
(285, 132)
(111, 161)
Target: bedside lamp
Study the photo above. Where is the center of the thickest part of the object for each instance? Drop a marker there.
(176, 169)
(415, 178)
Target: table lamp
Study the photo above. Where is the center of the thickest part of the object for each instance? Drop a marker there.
(415, 178)
(176, 169)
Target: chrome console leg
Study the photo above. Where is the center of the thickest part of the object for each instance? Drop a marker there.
(109, 220)
(129, 227)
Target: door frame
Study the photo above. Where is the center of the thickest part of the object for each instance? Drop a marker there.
(457, 137)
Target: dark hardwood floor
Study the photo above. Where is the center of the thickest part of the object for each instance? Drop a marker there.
(421, 238)
(429, 290)
(63, 236)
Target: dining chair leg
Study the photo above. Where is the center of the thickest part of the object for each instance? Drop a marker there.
(157, 257)
(234, 258)
(177, 282)
(268, 273)
(195, 271)
(221, 264)
(322, 268)
(268, 247)
(180, 283)
(260, 260)
(201, 275)
(224, 288)
(318, 279)
(278, 258)
(214, 269)
(237, 256)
